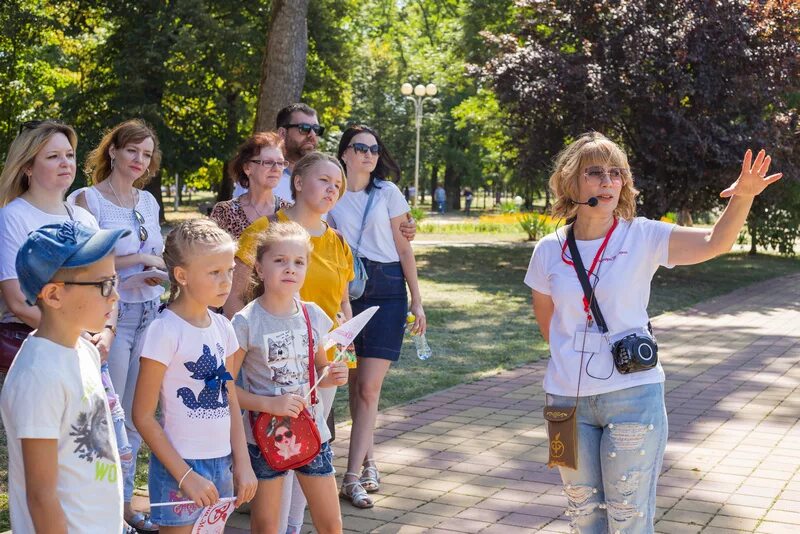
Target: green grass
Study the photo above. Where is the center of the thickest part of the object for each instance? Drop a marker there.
(480, 319)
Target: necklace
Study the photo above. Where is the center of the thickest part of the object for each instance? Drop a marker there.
(258, 213)
(121, 205)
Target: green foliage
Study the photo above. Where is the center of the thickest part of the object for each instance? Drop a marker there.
(418, 213)
(774, 221)
(684, 86)
(508, 206)
(535, 225)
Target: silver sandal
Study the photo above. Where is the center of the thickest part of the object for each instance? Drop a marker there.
(370, 477)
(355, 493)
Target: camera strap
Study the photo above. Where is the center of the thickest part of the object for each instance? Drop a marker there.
(590, 305)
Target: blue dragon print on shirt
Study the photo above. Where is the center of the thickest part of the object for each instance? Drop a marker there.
(214, 394)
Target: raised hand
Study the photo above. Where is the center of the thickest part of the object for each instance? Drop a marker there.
(753, 179)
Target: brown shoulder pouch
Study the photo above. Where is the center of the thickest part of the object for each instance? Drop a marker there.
(562, 432)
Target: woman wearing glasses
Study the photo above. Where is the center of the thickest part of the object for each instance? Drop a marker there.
(124, 161)
(621, 417)
(39, 169)
(257, 166)
(369, 216)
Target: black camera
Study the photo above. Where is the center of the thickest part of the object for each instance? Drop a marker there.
(634, 353)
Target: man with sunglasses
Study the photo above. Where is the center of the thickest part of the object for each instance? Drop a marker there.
(299, 127)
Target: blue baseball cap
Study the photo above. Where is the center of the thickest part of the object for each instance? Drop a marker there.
(54, 246)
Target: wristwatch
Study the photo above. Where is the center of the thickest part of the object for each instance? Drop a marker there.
(112, 328)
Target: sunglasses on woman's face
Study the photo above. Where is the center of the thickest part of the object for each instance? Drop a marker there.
(143, 235)
(363, 148)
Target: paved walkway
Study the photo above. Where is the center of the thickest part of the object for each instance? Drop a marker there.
(470, 459)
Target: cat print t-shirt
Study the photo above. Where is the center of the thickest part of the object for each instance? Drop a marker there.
(54, 392)
(276, 359)
(194, 397)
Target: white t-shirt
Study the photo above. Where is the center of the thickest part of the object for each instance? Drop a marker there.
(276, 361)
(194, 402)
(377, 242)
(632, 256)
(55, 392)
(110, 216)
(18, 219)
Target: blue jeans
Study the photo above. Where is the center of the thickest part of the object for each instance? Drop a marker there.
(164, 488)
(133, 318)
(621, 440)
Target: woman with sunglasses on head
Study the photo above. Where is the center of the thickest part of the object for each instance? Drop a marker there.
(257, 166)
(621, 419)
(369, 216)
(124, 161)
(38, 170)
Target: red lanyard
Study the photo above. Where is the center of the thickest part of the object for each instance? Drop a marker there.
(594, 262)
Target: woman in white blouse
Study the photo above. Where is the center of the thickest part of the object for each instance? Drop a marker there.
(124, 161)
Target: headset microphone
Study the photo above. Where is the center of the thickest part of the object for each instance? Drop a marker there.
(592, 202)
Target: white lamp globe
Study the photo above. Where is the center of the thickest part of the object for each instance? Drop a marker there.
(431, 89)
(406, 89)
(419, 90)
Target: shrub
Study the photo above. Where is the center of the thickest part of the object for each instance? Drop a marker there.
(535, 225)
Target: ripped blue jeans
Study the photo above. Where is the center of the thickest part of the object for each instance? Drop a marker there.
(622, 436)
(118, 418)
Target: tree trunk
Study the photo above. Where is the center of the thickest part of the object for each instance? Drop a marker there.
(452, 186)
(154, 188)
(283, 70)
(751, 228)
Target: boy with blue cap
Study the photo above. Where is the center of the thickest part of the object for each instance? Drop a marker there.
(64, 471)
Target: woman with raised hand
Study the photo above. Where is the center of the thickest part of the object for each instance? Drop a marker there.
(369, 216)
(258, 167)
(38, 170)
(606, 362)
(120, 166)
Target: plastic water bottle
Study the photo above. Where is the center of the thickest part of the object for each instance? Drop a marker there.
(421, 344)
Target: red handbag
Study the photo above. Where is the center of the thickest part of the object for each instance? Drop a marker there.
(286, 442)
(11, 337)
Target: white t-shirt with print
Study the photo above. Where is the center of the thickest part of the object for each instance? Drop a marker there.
(54, 392)
(194, 400)
(18, 219)
(634, 252)
(276, 359)
(377, 242)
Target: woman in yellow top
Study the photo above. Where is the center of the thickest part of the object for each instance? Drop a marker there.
(318, 182)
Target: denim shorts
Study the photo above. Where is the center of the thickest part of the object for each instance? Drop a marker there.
(164, 488)
(320, 466)
(382, 337)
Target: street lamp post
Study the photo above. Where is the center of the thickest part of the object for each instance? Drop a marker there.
(420, 92)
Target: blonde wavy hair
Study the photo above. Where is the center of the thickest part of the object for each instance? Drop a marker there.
(32, 137)
(590, 149)
(134, 131)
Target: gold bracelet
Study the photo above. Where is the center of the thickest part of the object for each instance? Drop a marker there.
(112, 328)
(184, 477)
